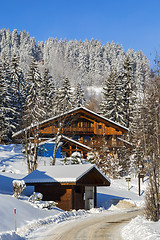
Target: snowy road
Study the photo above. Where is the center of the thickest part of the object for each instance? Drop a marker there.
(100, 227)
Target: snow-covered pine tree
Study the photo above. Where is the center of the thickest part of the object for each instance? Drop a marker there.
(2, 85)
(15, 42)
(34, 108)
(5, 43)
(87, 61)
(56, 110)
(8, 106)
(17, 83)
(79, 99)
(109, 94)
(63, 103)
(48, 91)
(65, 96)
(34, 113)
(139, 80)
(125, 161)
(129, 87)
(112, 104)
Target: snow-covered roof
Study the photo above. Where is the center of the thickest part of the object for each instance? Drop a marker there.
(106, 119)
(87, 110)
(67, 139)
(52, 140)
(60, 173)
(76, 142)
(69, 112)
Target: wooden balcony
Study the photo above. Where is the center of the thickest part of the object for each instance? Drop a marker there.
(78, 130)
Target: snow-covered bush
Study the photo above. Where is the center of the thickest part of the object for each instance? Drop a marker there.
(18, 187)
(74, 159)
(35, 197)
(47, 204)
(76, 155)
(90, 157)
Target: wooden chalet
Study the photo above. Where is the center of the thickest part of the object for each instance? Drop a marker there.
(81, 126)
(71, 186)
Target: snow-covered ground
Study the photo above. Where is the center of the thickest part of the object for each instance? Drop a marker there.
(33, 221)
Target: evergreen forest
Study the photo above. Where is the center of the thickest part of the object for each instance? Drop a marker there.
(39, 80)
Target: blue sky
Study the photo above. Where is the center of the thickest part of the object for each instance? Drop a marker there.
(133, 23)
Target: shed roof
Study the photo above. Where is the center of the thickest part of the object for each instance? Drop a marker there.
(61, 174)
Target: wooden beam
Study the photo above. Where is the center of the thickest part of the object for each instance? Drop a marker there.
(68, 183)
(95, 197)
(73, 204)
(91, 120)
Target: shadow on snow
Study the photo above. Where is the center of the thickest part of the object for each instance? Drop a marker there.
(105, 200)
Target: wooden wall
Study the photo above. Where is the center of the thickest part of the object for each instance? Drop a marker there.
(100, 129)
(96, 128)
(60, 194)
(67, 197)
(78, 197)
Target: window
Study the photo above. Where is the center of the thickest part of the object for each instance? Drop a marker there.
(86, 138)
(77, 138)
(99, 126)
(75, 124)
(84, 124)
(87, 124)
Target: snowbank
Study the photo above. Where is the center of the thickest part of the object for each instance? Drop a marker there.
(11, 236)
(33, 226)
(25, 212)
(55, 219)
(141, 229)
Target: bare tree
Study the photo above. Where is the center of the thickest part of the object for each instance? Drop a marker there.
(57, 141)
(31, 142)
(148, 137)
(105, 158)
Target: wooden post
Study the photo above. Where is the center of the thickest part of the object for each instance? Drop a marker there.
(128, 179)
(95, 197)
(73, 205)
(70, 150)
(140, 175)
(15, 219)
(139, 185)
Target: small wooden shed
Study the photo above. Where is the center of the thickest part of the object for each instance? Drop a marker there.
(71, 186)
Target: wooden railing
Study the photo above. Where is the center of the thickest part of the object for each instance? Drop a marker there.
(75, 130)
(78, 130)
